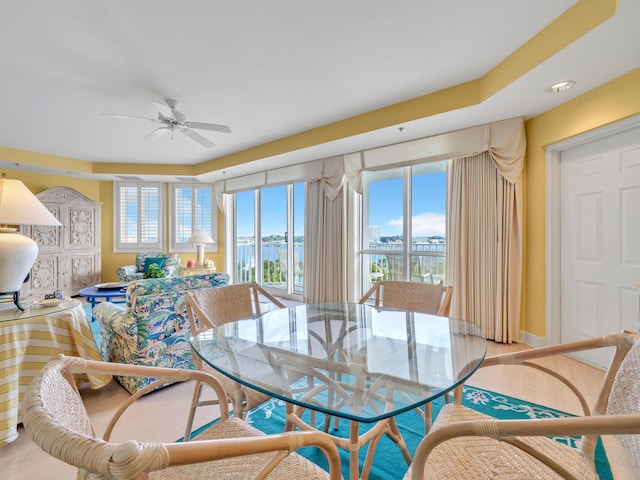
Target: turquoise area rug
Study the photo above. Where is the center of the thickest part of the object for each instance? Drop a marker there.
(95, 326)
(388, 462)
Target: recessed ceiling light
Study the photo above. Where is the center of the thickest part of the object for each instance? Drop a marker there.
(560, 86)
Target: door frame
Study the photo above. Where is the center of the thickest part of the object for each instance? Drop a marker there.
(552, 218)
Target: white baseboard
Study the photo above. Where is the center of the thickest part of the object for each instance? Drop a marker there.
(533, 340)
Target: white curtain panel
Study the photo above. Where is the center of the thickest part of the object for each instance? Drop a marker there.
(484, 245)
(324, 240)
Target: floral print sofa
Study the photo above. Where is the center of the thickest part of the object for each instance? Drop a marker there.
(151, 327)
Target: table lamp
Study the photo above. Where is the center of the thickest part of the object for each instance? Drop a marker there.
(18, 206)
(199, 238)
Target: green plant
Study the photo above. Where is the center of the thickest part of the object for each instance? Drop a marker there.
(154, 271)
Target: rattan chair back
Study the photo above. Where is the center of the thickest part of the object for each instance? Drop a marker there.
(625, 400)
(418, 297)
(216, 306)
(55, 418)
(211, 307)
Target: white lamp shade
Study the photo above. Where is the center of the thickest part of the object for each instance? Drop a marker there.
(200, 237)
(18, 206)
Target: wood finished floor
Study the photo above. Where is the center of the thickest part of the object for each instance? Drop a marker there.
(162, 414)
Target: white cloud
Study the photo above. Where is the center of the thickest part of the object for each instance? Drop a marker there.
(396, 223)
(424, 224)
(429, 224)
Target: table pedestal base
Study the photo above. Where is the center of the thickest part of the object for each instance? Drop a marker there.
(355, 442)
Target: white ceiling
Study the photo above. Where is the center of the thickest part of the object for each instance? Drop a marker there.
(271, 69)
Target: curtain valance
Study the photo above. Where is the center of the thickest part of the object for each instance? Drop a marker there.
(329, 170)
(504, 140)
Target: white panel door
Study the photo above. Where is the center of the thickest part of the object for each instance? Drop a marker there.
(600, 239)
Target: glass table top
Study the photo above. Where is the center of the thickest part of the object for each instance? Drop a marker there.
(349, 360)
(9, 311)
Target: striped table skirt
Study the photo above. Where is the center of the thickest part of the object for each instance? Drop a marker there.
(27, 344)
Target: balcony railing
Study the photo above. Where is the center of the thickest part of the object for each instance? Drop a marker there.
(426, 262)
(382, 260)
(275, 269)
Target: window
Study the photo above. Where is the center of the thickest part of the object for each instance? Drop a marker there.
(267, 231)
(191, 207)
(139, 216)
(404, 224)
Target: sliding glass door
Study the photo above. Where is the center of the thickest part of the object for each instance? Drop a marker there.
(404, 223)
(269, 237)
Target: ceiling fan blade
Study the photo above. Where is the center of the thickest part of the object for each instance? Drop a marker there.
(214, 127)
(198, 138)
(157, 133)
(129, 116)
(165, 110)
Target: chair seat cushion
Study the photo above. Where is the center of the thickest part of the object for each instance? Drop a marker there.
(294, 466)
(481, 458)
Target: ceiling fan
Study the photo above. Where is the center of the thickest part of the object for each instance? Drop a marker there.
(171, 120)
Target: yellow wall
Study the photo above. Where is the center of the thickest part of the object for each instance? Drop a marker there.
(37, 182)
(612, 102)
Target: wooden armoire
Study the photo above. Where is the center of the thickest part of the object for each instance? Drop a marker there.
(68, 256)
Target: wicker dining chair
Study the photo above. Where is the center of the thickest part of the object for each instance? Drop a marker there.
(467, 444)
(417, 297)
(55, 418)
(211, 307)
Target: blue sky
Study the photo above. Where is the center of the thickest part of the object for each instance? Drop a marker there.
(274, 211)
(428, 204)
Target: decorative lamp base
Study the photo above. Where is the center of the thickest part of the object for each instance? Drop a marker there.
(199, 254)
(17, 255)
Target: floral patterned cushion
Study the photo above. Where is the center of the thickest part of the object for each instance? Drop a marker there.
(151, 328)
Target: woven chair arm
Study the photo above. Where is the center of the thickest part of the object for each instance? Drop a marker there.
(507, 430)
(162, 376)
(621, 341)
(515, 358)
(196, 451)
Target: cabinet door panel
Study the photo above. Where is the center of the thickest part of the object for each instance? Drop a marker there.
(80, 228)
(47, 238)
(84, 270)
(44, 275)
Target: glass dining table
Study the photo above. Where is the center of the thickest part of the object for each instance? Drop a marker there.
(349, 361)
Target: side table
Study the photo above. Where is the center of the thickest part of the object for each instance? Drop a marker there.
(94, 294)
(28, 340)
(184, 271)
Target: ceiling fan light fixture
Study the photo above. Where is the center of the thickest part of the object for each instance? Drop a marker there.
(560, 86)
(171, 120)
